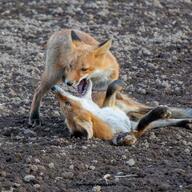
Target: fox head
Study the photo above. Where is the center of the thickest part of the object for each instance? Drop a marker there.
(71, 108)
(85, 59)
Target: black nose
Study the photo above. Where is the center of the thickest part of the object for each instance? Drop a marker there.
(69, 83)
(53, 88)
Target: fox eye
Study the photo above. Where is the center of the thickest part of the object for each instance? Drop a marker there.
(67, 103)
(84, 69)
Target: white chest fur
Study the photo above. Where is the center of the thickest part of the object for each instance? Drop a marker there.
(114, 117)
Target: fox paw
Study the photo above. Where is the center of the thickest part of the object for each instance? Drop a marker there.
(186, 124)
(34, 122)
(124, 139)
(161, 113)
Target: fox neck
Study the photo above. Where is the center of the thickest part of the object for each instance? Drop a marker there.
(106, 72)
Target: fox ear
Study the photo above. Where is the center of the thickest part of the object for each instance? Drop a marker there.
(74, 36)
(75, 39)
(103, 48)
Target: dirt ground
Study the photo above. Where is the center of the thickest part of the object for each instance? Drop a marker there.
(152, 41)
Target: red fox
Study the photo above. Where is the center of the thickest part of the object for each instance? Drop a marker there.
(85, 117)
(73, 56)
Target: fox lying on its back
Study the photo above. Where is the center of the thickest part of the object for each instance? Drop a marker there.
(83, 116)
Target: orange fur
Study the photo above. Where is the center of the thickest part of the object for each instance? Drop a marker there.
(78, 118)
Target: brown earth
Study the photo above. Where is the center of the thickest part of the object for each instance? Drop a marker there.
(152, 40)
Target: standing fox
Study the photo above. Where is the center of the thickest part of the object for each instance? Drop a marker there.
(73, 56)
(84, 117)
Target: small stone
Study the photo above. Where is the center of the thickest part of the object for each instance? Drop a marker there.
(67, 175)
(124, 78)
(56, 113)
(71, 167)
(51, 165)
(152, 136)
(92, 167)
(146, 51)
(16, 184)
(29, 178)
(3, 174)
(141, 91)
(37, 186)
(124, 157)
(154, 103)
(130, 162)
(29, 159)
(37, 160)
(96, 188)
(107, 177)
(33, 168)
(84, 147)
(187, 150)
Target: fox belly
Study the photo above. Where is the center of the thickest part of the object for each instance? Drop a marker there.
(116, 119)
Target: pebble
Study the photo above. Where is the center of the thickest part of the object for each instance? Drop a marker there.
(3, 174)
(37, 186)
(29, 159)
(84, 147)
(152, 136)
(71, 167)
(96, 188)
(29, 133)
(29, 178)
(187, 150)
(92, 167)
(141, 91)
(130, 162)
(51, 165)
(67, 175)
(124, 157)
(107, 177)
(33, 168)
(37, 160)
(16, 184)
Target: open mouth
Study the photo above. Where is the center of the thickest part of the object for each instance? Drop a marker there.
(83, 86)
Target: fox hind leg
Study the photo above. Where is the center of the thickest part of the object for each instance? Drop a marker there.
(110, 98)
(142, 126)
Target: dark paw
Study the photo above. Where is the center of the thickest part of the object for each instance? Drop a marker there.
(186, 124)
(34, 122)
(161, 113)
(124, 139)
(80, 134)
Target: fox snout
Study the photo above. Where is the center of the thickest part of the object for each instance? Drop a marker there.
(69, 82)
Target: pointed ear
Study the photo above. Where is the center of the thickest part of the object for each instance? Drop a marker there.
(74, 36)
(103, 48)
(75, 39)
